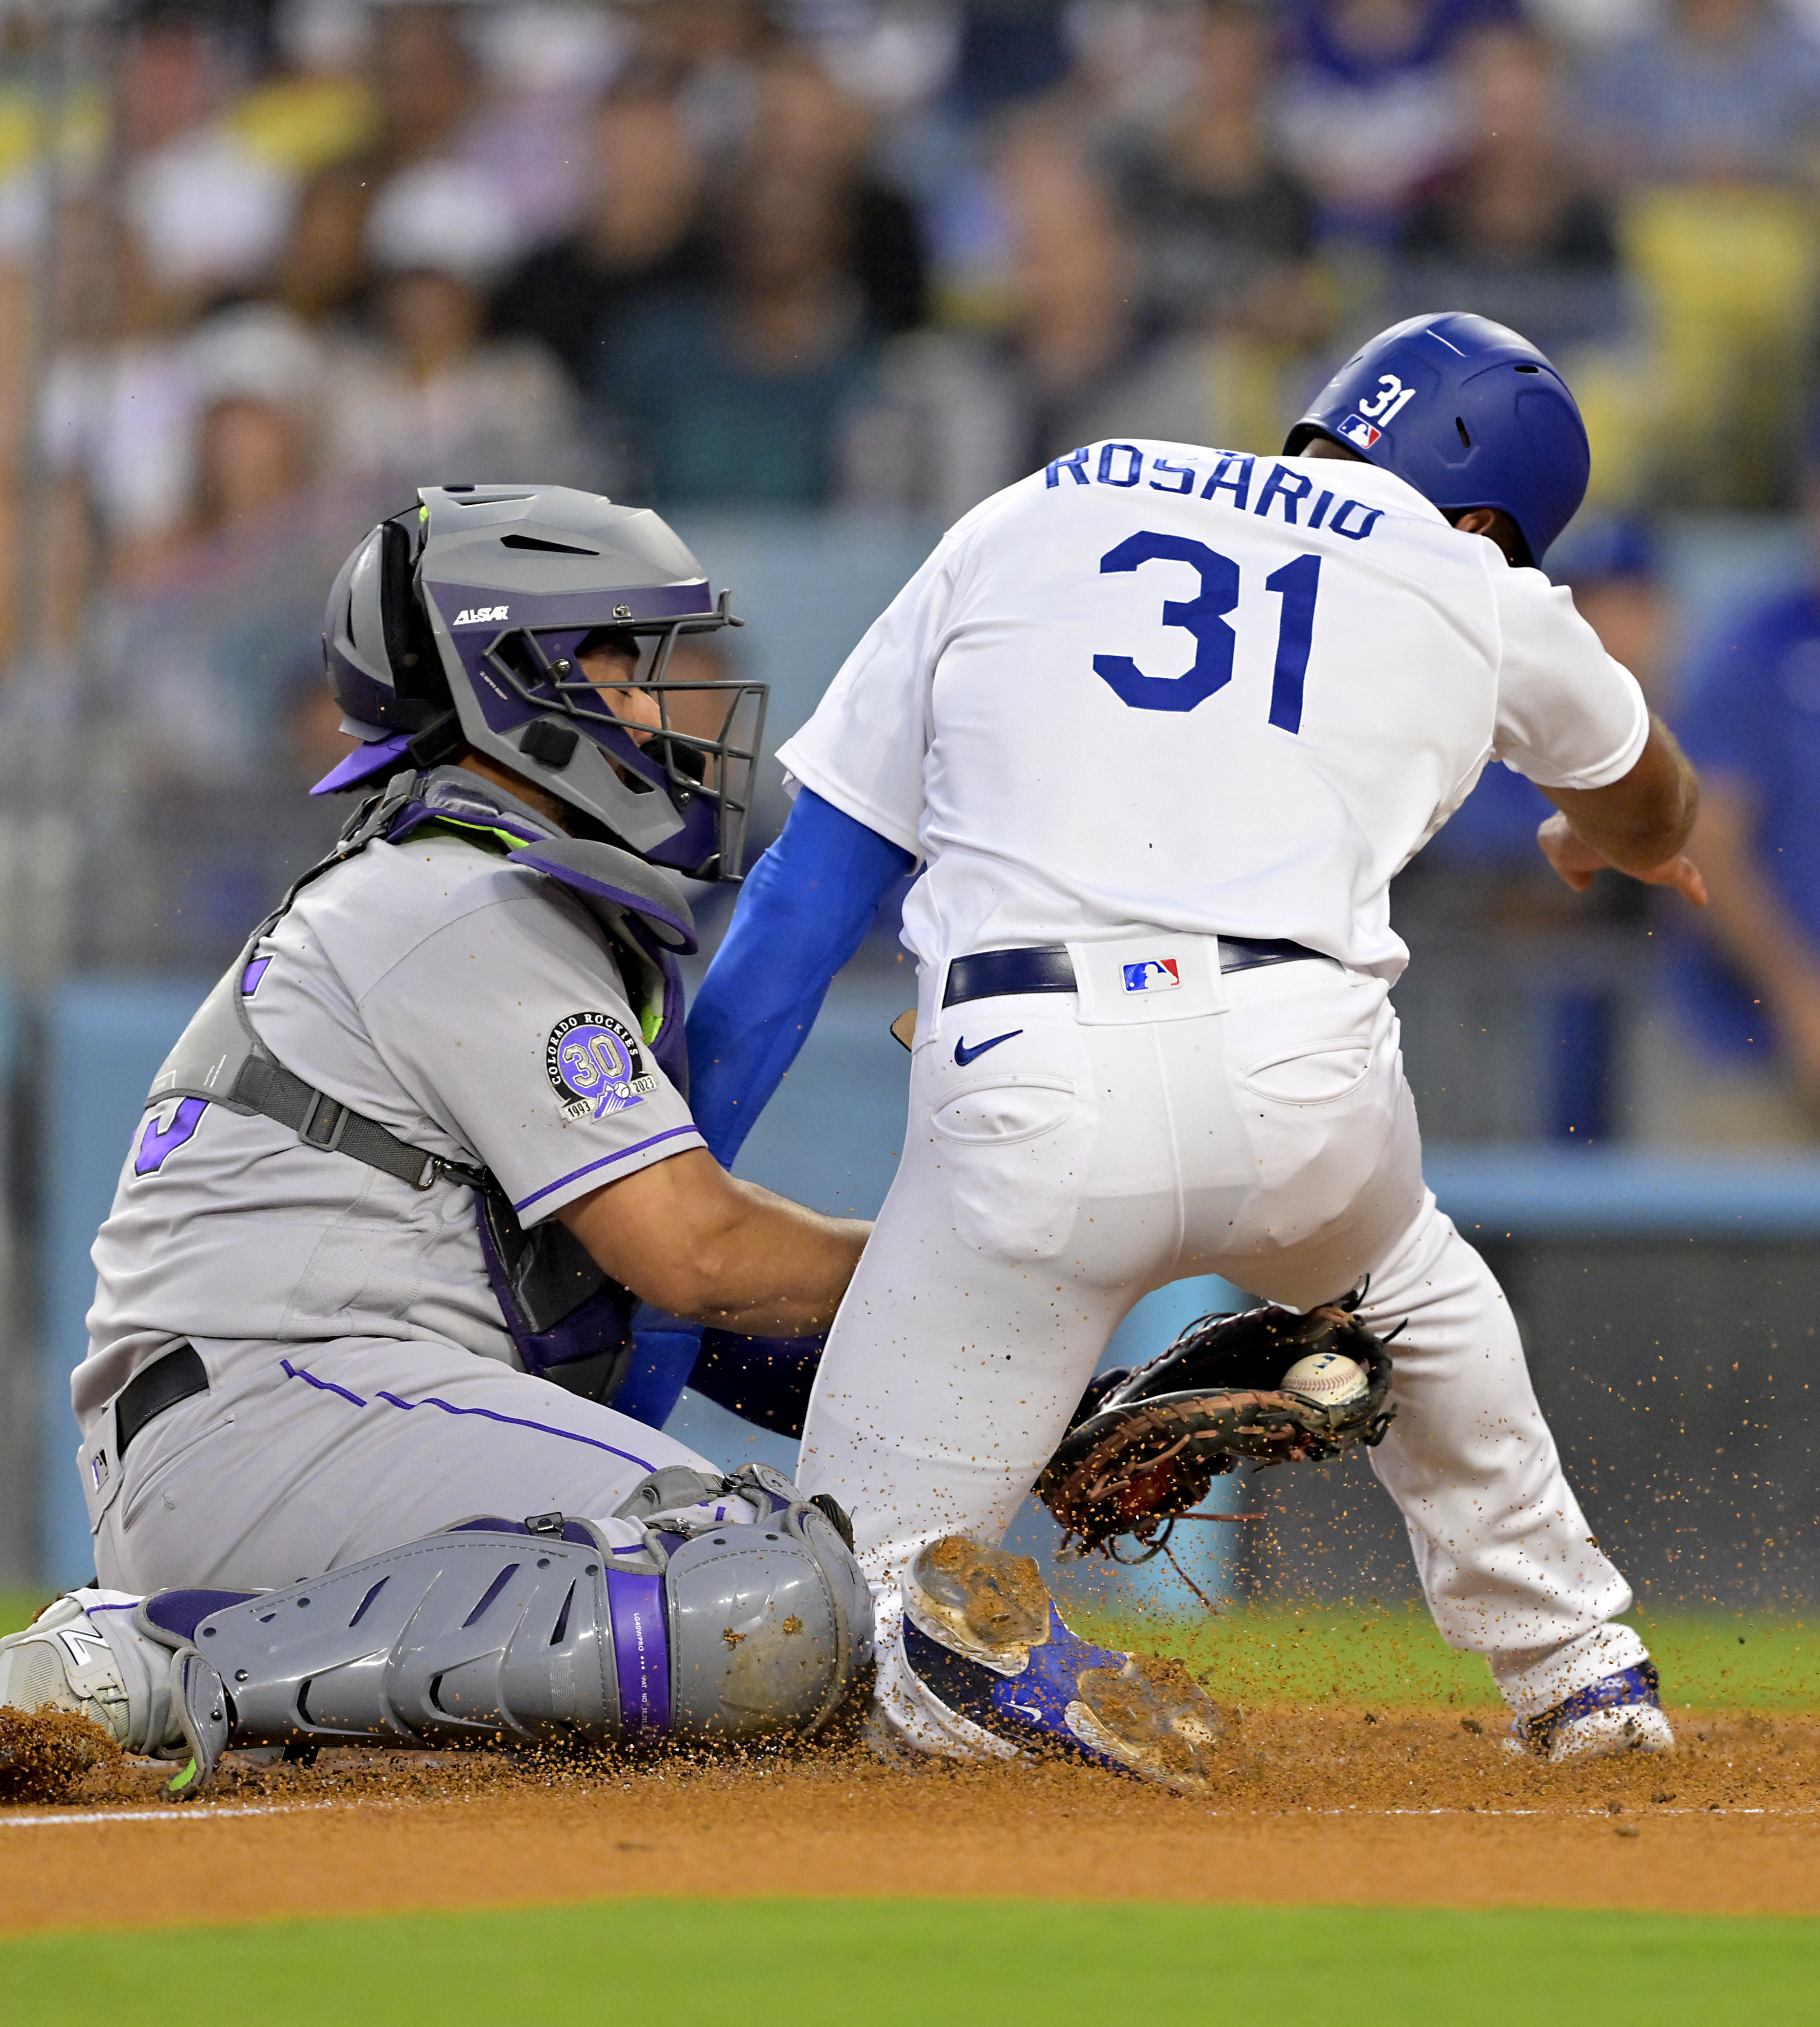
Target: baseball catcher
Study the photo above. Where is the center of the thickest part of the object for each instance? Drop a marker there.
(1270, 1385)
(379, 1238)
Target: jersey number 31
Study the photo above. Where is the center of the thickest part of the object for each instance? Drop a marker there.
(1296, 584)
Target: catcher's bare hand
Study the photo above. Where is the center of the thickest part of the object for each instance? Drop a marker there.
(1576, 861)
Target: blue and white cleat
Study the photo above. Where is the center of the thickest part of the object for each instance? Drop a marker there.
(984, 1639)
(1620, 1713)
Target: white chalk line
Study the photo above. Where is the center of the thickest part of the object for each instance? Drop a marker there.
(193, 1813)
(1573, 1815)
(188, 1814)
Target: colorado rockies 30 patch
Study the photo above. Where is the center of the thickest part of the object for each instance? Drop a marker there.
(596, 1065)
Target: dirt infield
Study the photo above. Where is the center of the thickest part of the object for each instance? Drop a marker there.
(1388, 1807)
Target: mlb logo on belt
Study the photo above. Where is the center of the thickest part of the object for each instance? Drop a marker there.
(1355, 429)
(1155, 974)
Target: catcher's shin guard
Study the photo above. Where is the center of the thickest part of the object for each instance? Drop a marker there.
(706, 1629)
(454, 1639)
(983, 1637)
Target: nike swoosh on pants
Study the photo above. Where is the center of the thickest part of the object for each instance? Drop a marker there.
(963, 1055)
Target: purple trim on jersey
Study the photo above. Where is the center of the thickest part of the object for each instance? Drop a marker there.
(448, 1408)
(574, 1175)
(253, 973)
(363, 762)
(515, 1422)
(635, 1549)
(640, 1650)
(156, 1144)
(322, 1386)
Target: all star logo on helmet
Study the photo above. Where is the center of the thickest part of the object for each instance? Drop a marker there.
(480, 615)
(596, 1064)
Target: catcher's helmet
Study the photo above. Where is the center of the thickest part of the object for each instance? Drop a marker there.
(1468, 413)
(460, 623)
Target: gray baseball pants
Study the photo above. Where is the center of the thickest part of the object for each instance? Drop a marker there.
(301, 1457)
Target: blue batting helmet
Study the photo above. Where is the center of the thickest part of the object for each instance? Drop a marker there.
(1469, 414)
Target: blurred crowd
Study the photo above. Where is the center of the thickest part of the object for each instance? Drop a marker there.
(264, 267)
(886, 253)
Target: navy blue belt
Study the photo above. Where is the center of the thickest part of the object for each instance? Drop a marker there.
(176, 1376)
(996, 974)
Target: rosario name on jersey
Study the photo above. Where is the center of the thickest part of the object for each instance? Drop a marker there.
(1160, 685)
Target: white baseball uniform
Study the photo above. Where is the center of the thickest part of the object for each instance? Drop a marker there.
(1154, 695)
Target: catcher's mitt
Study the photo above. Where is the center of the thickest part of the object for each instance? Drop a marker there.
(1146, 1448)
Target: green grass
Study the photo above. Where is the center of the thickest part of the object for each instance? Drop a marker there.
(1270, 1654)
(815, 1963)
(16, 1607)
(1265, 1654)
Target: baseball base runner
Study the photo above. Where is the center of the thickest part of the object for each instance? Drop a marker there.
(1160, 723)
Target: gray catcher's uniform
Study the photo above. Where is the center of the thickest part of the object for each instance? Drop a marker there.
(509, 1015)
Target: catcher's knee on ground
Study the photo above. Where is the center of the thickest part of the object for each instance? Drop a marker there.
(690, 1627)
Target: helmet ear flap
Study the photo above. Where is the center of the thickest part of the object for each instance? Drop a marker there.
(410, 646)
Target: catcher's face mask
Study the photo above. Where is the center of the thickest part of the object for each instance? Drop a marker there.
(468, 622)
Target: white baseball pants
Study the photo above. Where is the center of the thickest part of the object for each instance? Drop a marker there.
(1254, 1124)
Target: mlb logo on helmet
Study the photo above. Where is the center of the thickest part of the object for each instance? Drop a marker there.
(1155, 974)
(1355, 429)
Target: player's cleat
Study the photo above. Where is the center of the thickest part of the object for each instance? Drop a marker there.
(983, 1637)
(62, 1661)
(1620, 1713)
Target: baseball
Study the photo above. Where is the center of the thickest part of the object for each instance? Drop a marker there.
(1326, 1377)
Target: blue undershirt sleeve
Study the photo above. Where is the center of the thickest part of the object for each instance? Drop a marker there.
(804, 910)
(802, 913)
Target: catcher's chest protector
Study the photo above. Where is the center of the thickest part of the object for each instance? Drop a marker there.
(559, 1307)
